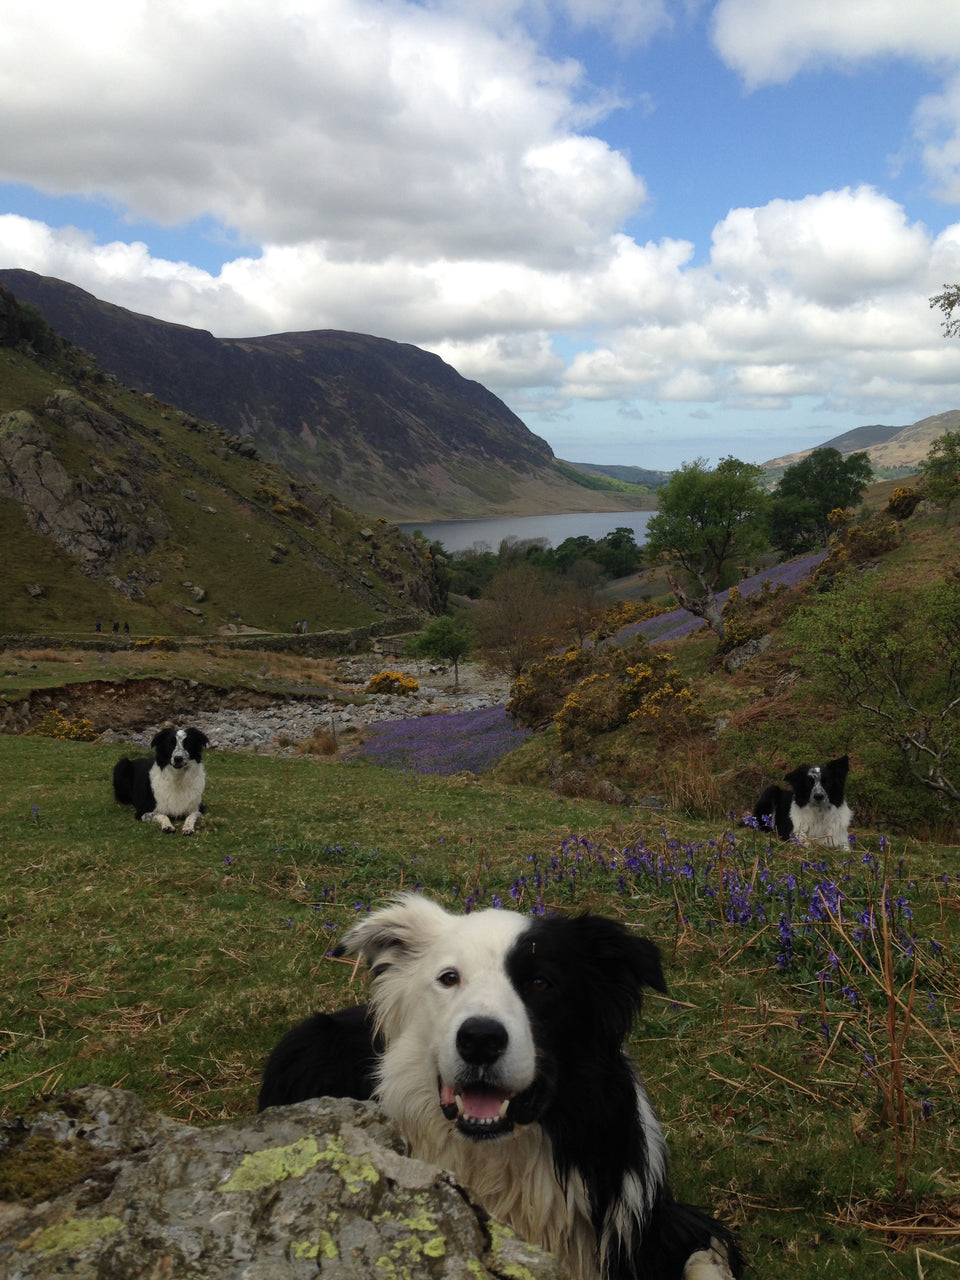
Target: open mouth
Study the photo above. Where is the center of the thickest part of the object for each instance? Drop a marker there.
(480, 1111)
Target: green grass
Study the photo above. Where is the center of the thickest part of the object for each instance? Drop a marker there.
(171, 965)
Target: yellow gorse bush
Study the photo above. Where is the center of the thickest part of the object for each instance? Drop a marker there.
(392, 682)
(56, 725)
(649, 694)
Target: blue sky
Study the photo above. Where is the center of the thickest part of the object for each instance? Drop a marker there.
(659, 229)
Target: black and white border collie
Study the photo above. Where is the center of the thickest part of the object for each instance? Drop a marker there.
(495, 1043)
(814, 810)
(170, 786)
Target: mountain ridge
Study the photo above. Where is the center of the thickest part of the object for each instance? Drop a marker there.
(891, 449)
(389, 429)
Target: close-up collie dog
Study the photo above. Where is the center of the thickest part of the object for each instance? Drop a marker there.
(495, 1042)
(169, 786)
(814, 809)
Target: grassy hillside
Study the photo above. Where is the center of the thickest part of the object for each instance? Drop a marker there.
(636, 481)
(171, 965)
(893, 451)
(193, 533)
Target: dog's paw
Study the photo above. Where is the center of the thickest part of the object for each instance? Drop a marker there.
(709, 1264)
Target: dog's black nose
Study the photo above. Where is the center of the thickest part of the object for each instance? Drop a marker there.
(481, 1041)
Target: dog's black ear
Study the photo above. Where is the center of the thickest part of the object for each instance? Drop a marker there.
(619, 950)
(157, 738)
(607, 963)
(624, 963)
(839, 768)
(197, 738)
(796, 776)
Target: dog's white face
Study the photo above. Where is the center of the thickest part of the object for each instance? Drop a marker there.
(450, 1012)
(485, 1055)
(179, 756)
(179, 747)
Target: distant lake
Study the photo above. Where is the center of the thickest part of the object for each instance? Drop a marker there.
(460, 535)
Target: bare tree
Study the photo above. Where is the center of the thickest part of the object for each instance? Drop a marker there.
(519, 618)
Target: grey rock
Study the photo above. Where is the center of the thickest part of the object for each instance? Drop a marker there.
(742, 656)
(324, 1185)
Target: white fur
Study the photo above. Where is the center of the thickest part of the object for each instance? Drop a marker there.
(178, 793)
(821, 824)
(708, 1264)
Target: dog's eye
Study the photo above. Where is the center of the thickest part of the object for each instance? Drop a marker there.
(540, 983)
(449, 978)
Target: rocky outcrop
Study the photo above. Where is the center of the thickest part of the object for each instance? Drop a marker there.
(745, 653)
(94, 1187)
(95, 516)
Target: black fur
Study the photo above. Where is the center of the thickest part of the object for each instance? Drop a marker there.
(330, 1055)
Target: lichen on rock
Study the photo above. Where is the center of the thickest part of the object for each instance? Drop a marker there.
(321, 1187)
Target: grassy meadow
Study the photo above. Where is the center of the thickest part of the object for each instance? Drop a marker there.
(805, 1063)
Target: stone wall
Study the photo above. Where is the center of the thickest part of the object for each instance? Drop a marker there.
(347, 640)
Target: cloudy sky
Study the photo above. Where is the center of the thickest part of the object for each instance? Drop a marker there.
(659, 229)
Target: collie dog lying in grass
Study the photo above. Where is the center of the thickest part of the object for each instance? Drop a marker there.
(495, 1042)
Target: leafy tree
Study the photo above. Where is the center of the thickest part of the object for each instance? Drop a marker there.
(941, 469)
(893, 657)
(808, 491)
(948, 301)
(572, 550)
(617, 553)
(444, 640)
(707, 521)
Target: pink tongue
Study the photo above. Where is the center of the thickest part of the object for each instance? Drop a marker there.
(483, 1106)
(480, 1105)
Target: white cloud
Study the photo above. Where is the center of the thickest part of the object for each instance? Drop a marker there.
(375, 127)
(423, 172)
(830, 247)
(937, 123)
(769, 41)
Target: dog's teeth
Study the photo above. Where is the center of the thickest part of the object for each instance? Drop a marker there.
(459, 1101)
(503, 1109)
